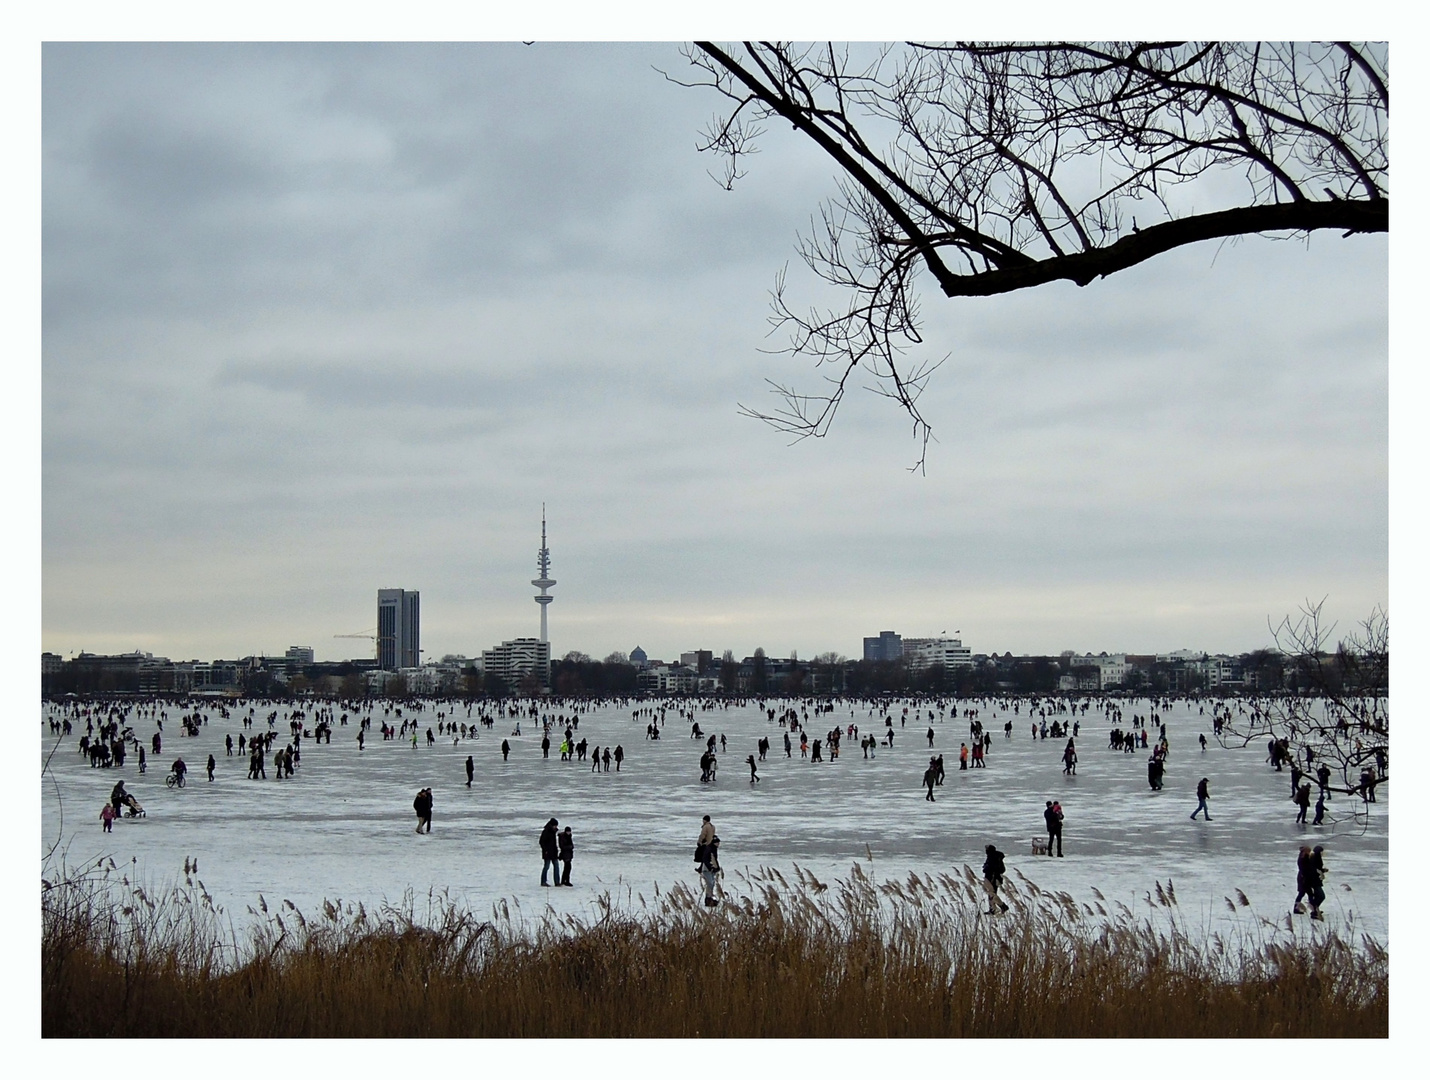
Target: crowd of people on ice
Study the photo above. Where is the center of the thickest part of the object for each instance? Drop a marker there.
(109, 736)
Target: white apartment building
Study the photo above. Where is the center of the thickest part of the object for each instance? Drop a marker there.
(510, 660)
(920, 654)
(1111, 670)
(669, 679)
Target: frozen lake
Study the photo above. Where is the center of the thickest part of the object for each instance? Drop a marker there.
(343, 826)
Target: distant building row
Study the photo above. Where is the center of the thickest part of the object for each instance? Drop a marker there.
(524, 666)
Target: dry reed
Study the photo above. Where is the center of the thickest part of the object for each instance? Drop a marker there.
(790, 959)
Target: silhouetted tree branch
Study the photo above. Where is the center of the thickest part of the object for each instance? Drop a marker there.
(996, 167)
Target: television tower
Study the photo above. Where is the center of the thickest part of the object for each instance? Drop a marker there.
(543, 567)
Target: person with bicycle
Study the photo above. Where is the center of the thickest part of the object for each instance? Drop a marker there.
(176, 773)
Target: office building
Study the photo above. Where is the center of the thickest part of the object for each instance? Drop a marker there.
(887, 646)
(398, 629)
(700, 660)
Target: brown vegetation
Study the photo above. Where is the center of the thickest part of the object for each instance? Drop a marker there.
(910, 958)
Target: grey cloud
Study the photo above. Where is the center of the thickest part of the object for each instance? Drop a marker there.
(316, 316)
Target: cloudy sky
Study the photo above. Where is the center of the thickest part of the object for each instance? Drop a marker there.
(323, 319)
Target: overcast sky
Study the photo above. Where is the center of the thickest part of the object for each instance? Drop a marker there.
(321, 320)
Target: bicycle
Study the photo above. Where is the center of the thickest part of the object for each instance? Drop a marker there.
(174, 780)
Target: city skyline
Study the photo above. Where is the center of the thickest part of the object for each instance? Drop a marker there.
(320, 318)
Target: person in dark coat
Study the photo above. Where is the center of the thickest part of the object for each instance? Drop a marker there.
(750, 761)
(549, 852)
(1303, 878)
(993, 870)
(1303, 800)
(423, 805)
(1202, 797)
(505, 749)
(1053, 816)
(471, 769)
(710, 870)
(930, 778)
(1315, 877)
(212, 764)
(565, 848)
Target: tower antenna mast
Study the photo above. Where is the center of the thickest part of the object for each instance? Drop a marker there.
(543, 567)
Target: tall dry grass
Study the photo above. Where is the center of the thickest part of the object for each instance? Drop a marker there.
(855, 958)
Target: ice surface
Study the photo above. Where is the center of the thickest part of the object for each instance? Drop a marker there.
(344, 826)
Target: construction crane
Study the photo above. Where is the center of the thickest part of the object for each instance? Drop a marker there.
(371, 636)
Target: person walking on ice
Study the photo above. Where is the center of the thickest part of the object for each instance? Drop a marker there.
(750, 761)
(565, 848)
(423, 805)
(1315, 878)
(710, 869)
(549, 853)
(471, 768)
(1202, 797)
(993, 870)
(930, 778)
(1053, 816)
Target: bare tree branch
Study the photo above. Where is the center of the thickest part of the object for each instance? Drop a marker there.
(947, 156)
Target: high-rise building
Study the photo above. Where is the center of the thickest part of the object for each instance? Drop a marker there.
(299, 654)
(398, 629)
(887, 646)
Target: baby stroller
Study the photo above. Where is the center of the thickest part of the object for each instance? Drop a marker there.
(135, 810)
